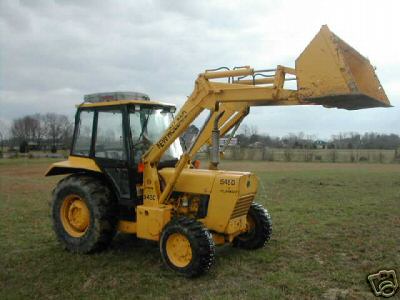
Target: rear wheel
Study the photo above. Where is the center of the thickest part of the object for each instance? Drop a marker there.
(83, 214)
(187, 247)
(259, 228)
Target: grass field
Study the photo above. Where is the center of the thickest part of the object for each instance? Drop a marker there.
(333, 225)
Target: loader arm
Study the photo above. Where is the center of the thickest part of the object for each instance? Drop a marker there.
(335, 82)
(225, 101)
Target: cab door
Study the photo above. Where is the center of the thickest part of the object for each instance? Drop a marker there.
(110, 151)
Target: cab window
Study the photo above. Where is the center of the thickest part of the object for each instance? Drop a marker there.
(83, 134)
(147, 126)
(110, 137)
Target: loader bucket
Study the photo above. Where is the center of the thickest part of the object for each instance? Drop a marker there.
(331, 73)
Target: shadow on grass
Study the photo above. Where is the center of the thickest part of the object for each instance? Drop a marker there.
(126, 244)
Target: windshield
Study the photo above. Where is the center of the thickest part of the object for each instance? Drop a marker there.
(147, 126)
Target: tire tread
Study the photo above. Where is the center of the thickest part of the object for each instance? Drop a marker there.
(263, 230)
(102, 205)
(203, 246)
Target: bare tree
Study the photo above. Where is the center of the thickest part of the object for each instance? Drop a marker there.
(253, 130)
(40, 130)
(25, 128)
(67, 133)
(58, 128)
(293, 140)
(245, 130)
(4, 130)
(53, 129)
(369, 140)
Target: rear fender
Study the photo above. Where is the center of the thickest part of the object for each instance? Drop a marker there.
(74, 164)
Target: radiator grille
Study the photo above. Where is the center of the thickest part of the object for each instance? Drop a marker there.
(242, 206)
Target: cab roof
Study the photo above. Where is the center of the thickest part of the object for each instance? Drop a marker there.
(119, 98)
(125, 102)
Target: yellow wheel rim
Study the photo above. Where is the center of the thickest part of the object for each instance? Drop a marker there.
(75, 215)
(179, 250)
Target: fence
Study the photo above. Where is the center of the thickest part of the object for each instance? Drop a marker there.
(313, 155)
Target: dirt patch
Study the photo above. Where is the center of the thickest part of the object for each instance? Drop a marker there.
(24, 170)
(22, 187)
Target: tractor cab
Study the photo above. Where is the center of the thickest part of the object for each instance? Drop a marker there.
(112, 132)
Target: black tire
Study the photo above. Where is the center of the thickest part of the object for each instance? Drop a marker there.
(201, 244)
(101, 206)
(258, 236)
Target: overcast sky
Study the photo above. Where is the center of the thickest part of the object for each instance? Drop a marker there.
(54, 52)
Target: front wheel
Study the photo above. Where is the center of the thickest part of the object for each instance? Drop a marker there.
(259, 229)
(187, 247)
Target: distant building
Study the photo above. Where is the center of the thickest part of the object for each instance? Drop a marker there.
(232, 142)
(33, 146)
(319, 144)
(257, 145)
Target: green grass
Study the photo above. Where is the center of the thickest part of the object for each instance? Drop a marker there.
(333, 225)
(25, 161)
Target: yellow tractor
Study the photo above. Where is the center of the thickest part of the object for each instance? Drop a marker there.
(128, 171)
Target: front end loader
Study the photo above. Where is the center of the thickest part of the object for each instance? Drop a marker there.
(127, 171)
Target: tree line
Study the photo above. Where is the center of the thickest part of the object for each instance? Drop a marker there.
(46, 132)
(53, 131)
(351, 140)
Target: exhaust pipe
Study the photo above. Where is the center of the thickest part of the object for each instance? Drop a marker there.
(215, 135)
